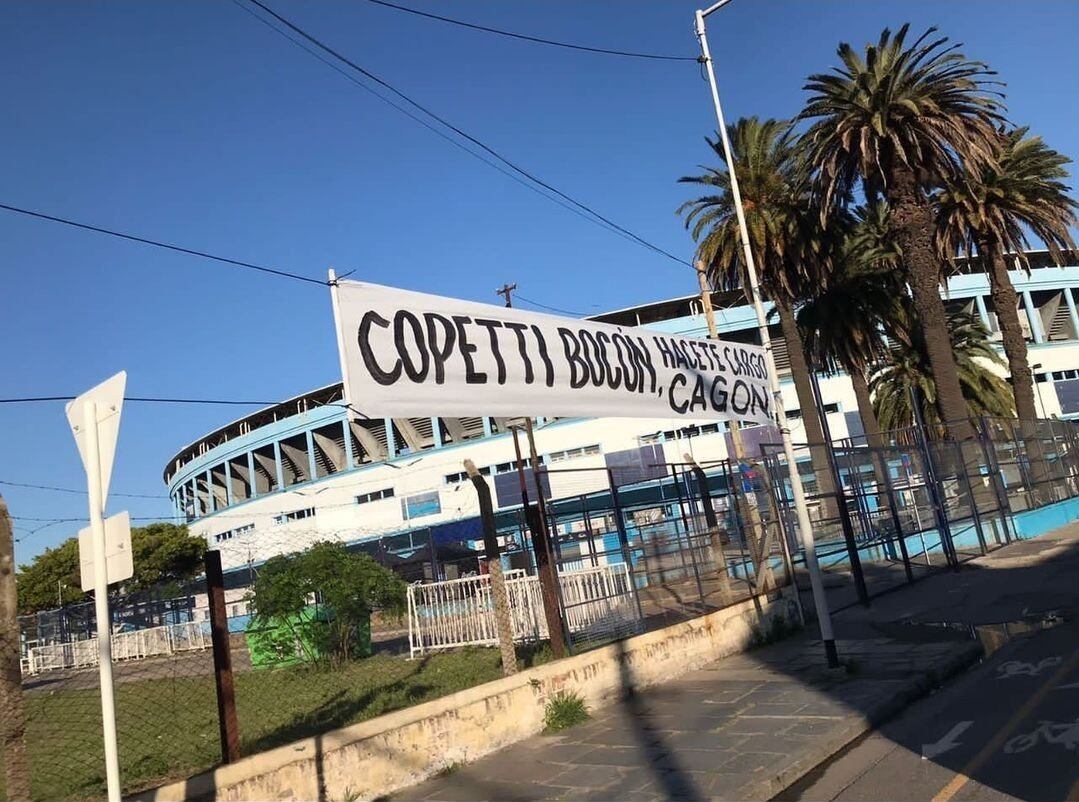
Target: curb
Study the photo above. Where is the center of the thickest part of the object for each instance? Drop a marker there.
(857, 725)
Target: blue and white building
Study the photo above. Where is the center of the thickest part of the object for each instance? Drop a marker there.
(301, 471)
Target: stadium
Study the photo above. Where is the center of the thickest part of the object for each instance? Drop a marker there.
(304, 470)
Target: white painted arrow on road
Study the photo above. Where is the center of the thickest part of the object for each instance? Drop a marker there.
(946, 743)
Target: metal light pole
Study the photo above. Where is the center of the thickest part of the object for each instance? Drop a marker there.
(824, 617)
(1037, 388)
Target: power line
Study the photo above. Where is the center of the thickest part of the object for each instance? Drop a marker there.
(549, 308)
(157, 244)
(475, 141)
(536, 39)
(397, 107)
(76, 491)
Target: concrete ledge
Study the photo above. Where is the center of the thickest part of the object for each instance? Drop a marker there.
(376, 757)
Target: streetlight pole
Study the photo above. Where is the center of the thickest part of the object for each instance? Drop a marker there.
(805, 529)
(1037, 389)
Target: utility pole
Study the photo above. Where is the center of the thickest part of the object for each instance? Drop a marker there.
(750, 515)
(12, 714)
(505, 293)
(541, 540)
(805, 525)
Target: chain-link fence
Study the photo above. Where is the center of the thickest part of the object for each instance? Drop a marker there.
(636, 545)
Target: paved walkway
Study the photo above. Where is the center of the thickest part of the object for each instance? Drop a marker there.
(747, 726)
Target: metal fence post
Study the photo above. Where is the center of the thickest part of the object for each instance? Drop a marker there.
(995, 475)
(897, 524)
(932, 485)
(841, 498)
(623, 539)
(713, 527)
(219, 635)
(685, 527)
(493, 555)
(962, 465)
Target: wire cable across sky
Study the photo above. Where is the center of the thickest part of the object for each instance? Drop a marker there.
(158, 244)
(596, 216)
(535, 39)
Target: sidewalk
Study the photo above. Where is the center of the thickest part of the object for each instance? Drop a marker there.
(748, 726)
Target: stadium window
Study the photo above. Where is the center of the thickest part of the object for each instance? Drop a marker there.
(221, 537)
(574, 453)
(295, 515)
(420, 505)
(374, 495)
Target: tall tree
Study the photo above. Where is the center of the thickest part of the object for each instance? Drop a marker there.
(845, 319)
(783, 232)
(902, 120)
(989, 209)
(163, 554)
(908, 365)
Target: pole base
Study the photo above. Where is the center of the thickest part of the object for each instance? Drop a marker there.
(831, 654)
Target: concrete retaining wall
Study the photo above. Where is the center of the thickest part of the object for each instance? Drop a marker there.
(377, 757)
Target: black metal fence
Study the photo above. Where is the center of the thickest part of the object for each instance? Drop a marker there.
(636, 547)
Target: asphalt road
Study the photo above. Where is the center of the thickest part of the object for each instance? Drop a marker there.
(1008, 729)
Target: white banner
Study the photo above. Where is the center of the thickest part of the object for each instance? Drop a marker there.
(409, 354)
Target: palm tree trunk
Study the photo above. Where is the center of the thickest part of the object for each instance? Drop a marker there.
(865, 406)
(912, 221)
(1006, 304)
(810, 414)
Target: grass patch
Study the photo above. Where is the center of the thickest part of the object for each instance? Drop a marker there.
(167, 727)
(564, 710)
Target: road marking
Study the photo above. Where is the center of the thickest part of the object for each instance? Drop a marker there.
(1017, 668)
(1066, 734)
(963, 777)
(947, 742)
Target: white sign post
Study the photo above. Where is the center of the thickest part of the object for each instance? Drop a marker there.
(95, 421)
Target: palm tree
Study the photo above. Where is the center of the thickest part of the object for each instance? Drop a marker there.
(784, 235)
(845, 321)
(901, 121)
(989, 209)
(908, 366)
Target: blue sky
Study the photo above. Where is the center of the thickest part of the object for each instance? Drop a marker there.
(192, 122)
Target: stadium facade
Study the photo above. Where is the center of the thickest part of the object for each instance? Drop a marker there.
(304, 470)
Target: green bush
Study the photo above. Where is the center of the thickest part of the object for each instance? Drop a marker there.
(564, 710)
(347, 587)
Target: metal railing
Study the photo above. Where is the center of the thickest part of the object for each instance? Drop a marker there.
(460, 612)
(136, 645)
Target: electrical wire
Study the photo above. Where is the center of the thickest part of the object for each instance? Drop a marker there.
(529, 301)
(77, 491)
(469, 137)
(158, 244)
(397, 107)
(536, 39)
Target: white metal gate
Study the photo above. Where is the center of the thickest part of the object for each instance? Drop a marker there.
(459, 612)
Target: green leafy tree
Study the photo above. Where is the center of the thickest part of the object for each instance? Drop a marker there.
(990, 209)
(845, 320)
(348, 585)
(164, 556)
(908, 366)
(50, 578)
(902, 120)
(785, 235)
